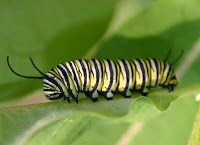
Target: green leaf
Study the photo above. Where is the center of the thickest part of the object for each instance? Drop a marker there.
(42, 120)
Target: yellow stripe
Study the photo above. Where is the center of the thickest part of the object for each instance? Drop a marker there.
(138, 78)
(161, 71)
(134, 74)
(148, 69)
(92, 79)
(103, 74)
(79, 74)
(55, 73)
(117, 76)
(106, 80)
(89, 68)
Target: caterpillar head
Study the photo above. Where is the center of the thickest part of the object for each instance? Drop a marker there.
(53, 87)
(171, 80)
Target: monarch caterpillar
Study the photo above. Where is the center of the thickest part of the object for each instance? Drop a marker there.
(105, 77)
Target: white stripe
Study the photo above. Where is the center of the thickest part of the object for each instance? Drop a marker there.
(87, 74)
(107, 70)
(145, 70)
(128, 93)
(166, 69)
(76, 73)
(159, 71)
(114, 75)
(82, 74)
(154, 69)
(122, 71)
(50, 92)
(48, 82)
(74, 91)
(73, 76)
(138, 69)
(62, 86)
(50, 75)
(93, 70)
(100, 72)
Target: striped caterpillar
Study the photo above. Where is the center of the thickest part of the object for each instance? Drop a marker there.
(105, 77)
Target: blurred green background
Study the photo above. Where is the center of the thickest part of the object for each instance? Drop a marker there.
(53, 31)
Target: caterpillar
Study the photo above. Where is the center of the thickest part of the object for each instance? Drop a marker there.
(105, 77)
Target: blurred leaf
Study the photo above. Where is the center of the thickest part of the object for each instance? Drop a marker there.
(195, 134)
(50, 32)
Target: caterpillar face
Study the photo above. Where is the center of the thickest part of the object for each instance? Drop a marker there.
(53, 87)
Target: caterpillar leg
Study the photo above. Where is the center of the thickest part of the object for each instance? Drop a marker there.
(94, 99)
(75, 99)
(108, 95)
(170, 88)
(66, 98)
(127, 93)
(108, 98)
(92, 96)
(145, 92)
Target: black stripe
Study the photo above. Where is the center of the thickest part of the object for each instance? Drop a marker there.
(157, 71)
(101, 64)
(85, 75)
(49, 84)
(64, 73)
(111, 75)
(127, 75)
(160, 71)
(49, 89)
(116, 70)
(134, 74)
(117, 73)
(88, 76)
(149, 71)
(164, 68)
(173, 78)
(75, 78)
(97, 76)
(54, 98)
(143, 73)
(168, 74)
(54, 82)
(146, 71)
